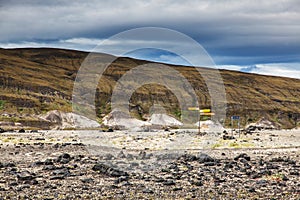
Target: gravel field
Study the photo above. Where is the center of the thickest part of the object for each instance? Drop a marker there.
(175, 164)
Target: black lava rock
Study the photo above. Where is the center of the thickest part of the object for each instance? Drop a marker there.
(62, 172)
(87, 180)
(169, 182)
(197, 183)
(121, 155)
(49, 167)
(60, 177)
(189, 157)
(64, 158)
(203, 158)
(25, 176)
(121, 179)
(148, 191)
(209, 164)
(107, 170)
(261, 182)
(22, 130)
(110, 130)
(243, 155)
(228, 137)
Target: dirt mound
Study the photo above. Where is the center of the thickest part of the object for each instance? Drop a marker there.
(62, 120)
(120, 120)
(164, 120)
(262, 124)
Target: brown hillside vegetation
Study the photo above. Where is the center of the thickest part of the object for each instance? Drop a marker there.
(34, 81)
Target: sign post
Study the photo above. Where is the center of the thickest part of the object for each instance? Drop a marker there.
(198, 109)
(234, 117)
(205, 112)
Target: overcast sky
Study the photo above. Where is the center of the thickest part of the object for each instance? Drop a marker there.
(259, 36)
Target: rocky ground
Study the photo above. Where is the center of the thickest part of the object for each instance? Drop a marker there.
(61, 165)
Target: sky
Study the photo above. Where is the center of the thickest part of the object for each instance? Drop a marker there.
(257, 36)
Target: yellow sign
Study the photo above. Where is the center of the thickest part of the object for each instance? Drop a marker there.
(202, 111)
(205, 111)
(193, 108)
(207, 114)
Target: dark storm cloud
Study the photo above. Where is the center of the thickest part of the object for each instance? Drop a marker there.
(239, 32)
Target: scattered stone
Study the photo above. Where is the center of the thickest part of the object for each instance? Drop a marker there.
(121, 179)
(292, 172)
(203, 158)
(159, 180)
(169, 182)
(272, 166)
(25, 176)
(148, 191)
(277, 159)
(121, 155)
(63, 172)
(189, 157)
(22, 130)
(242, 155)
(197, 183)
(262, 182)
(22, 187)
(60, 177)
(209, 164)
(110, 130)
(2, 130)
(87, 180)
(48, 162)
(40, 138)
(49, 167)
(37, 163)
(142, 155)
(284, 178)
(228, 137)
(64, 158)
(105, 169)
(243, 160)
(177, 189)
(9, 164)
(108, 156)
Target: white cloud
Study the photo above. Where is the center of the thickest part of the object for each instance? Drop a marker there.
(230, 67)
(235, 32)
(67, 19)
(279, 69)
(83, 41)
(291, 70)
(226, 27)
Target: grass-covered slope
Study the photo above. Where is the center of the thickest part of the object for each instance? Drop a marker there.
(34, 81)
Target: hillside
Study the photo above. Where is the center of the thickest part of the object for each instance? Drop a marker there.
(34, 81)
